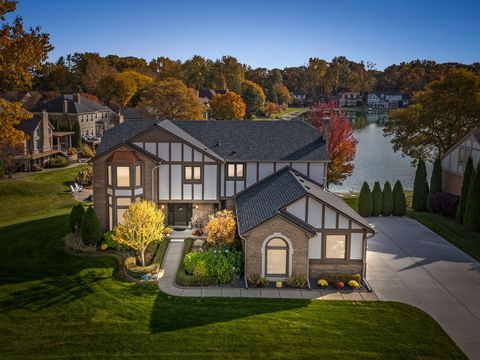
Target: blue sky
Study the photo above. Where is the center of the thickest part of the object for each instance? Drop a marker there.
(263, 33)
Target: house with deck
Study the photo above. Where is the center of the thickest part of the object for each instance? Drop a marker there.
(271, 173)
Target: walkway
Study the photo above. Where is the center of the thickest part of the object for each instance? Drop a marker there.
(407, 262)
(172, 260)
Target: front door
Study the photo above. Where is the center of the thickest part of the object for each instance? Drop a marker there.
(179, 214)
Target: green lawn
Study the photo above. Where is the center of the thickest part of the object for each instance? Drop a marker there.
(54, 305)
(277, 116)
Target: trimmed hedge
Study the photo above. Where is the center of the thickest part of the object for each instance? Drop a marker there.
(420, 188)
(387, 200)
(467, 177)
(58, 162)
(184, 279)
(445, 204)
(136, 271)
(75, 218)
(376, 199)
(90, 228)
(435, 183)
(472, 207)
(365, 201)
(399, 200)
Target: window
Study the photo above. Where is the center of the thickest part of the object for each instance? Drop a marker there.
(335, 246)
(124, 201)
(138, 175)
(235, 171)
(192, 173)
(123, 176)
(276, 258)
(109, 175)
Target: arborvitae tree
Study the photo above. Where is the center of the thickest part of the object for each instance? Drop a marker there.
(472, 207)
(467, 176)
(387, 200)
(435, 182)
(399, 200)
(420, 188)
(90, 228)
(76, 137)
(365, 200)
(75, 219)
(376, 199)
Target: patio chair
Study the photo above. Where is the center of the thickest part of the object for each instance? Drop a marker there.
(78, 187)
(72, 189)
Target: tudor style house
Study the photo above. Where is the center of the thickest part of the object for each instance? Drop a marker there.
(267, 171)
(455, 159)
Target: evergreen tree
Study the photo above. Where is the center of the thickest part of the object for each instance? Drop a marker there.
(376, 199)
(387, 200)
(76, 137)
(399, 200)
(467, 176)
(472, 207)
(75, 219)
(365, 200)
(435, 182)
(90, 228)
(420, 188)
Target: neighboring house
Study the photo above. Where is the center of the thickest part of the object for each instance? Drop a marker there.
(394, 99)
(387, 100)
(298, 98)
(42, 141)
(348, 98)
(93, 118)
(455, 159)
(187, 167)
(376, 101)
(205, 96)
(28, 99)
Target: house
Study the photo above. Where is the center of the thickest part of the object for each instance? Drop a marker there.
(455, 159)
(298, 98)
(376, 101)
(266, 171)
(42, 142)
(28, 99)
(348, 98)
(93, 118)
(387, 100)
(205, 96)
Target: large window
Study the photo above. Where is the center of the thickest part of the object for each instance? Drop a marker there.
(138, 175)
(192, 173)
(123, 176)
(109, 175)
(276, 258)
(235, 171)
(335, 246)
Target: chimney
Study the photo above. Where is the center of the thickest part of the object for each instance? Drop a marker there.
(46, 143)
(325, 129)
(119, 118)
(65, 106)
(76, 98)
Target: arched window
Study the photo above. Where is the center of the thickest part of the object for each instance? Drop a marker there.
(276, 257)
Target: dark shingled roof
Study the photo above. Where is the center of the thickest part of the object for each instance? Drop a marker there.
(267, 198)
(84, 106)
(476, 135)
(28, 126)
(239, 140)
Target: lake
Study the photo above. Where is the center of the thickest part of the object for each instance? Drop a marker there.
(375, 158)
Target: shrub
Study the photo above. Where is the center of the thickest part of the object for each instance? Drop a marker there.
(85, 177)
(376, 199)
(252, 279)
(472, 207)
(74, 242)
(420, 188)
(72, 151)
(138, 271)
(445, 204)
(262, 282)
(467, 177)
(353, 284)
(104, 246)
(278, 284)
(58, 162)
(221, 228)
(357, 278)
(200, 219)
(184, 279)
(271, 108)
(399, 200)
(435, 183)
(75, 218)
(87, 151)
(365, 201)
(322, 283)
(90, 227)
(297, 281)
(167, 231)
(387, 200)
(339, 284)
(112, 244)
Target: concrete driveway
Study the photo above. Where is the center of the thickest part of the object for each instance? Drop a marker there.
(407, 262)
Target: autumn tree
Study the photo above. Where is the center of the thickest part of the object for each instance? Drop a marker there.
(228, 73)
(221, 228)
(271, 108)
(21, 51)
(254, 98)
(283, 94)
(94, 72)
(164, 68)
(341, 143)
(116, 89)
(196, 72)
(141, 225)
(171, 99)
(11, 139)
(227, 106)
(440, 116)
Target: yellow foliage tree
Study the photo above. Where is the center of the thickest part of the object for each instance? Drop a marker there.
(221, 228)
(171, 99)
(228, 106)
(11, 115)
(283, 94)
(117, 89)
(142, 224)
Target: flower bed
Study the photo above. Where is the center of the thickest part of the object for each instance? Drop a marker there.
(149, 271)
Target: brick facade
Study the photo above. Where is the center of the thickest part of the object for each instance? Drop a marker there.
(319, 267)
(452, 183)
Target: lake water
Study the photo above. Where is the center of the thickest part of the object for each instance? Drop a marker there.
(375, 158)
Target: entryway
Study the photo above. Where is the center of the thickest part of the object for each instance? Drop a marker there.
(179, 214)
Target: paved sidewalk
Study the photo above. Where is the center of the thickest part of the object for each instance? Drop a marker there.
(172, 260)
(407, 262)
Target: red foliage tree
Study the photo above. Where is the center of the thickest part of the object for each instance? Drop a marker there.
(341, 143)
(91, 97)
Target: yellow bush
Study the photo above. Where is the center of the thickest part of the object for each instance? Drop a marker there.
(167, 231)
(322, 283)
(353, 284)
(278, 284)
(221, 228)
(104, 246)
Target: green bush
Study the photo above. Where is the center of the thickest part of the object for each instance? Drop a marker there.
(399, 200)
(472, 207)
(435, 183)
(387, 200)
(112, 244)
(184, 279)
(256, 280)
(75, 218)
(87, 151)
(365, 201)
(420, 188)
(376, 199)
(297, 281)
(58, 162)
(90, 227)
(467, 177)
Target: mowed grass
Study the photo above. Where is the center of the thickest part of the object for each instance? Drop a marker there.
(55, 305)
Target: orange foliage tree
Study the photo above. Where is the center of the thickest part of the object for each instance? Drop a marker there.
(221, 228)
(342, 145)
(228, 106)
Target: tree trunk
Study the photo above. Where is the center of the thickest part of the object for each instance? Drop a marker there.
(143, 256)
